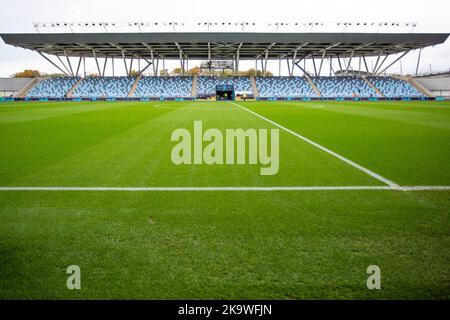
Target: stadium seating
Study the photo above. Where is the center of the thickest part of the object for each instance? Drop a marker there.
(181, 87)
(206, 86)
(284, 87)
(164, 87)
(395, 88)
(52, 87)
(104, 87)
(344, 87)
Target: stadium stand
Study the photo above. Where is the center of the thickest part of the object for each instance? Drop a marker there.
(344, 87)
(104, 87)
(206, 86)
(395, 88)
(284, 87)
(52, 87)
(183, 87)
(164, 87)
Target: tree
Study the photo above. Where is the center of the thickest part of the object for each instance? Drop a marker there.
(251, 72)
(164, 72)
(176, 71)
(195, 71)
(134, 73)
(27, 74)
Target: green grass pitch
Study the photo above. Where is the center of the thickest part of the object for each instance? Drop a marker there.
(223, 244)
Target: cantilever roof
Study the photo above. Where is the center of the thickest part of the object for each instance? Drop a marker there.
(222, 46)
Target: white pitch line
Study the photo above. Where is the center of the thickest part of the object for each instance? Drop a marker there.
(342, 158)
(172, 189)
(420, 188)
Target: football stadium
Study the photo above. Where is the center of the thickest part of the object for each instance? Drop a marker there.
(330, 181)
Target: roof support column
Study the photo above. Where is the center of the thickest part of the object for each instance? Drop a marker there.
(104, 66)
(157, 66)
(54, 64)
(265, 63)
(68, 62)
(263, 72)
(331, 66)
(381, 64)
(349, 62)
(131, 66)
(181, 63)
(303, 69)
(65, 67)
(96, 61)
(376, 63)
(125, 62)
(321, 61)
(365, 64)
(279, 67)
(289, 66)
(340, 64)
(294, 58)
(209, 57)
(390, 65)
(236, 66)
(314, 64)
(418, 61)
(79, 65)
(153, 61)
(145, 68)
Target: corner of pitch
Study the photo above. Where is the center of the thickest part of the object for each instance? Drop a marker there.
(213, 147)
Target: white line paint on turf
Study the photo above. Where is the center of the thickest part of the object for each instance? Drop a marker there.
(174, 189)
(342, 158)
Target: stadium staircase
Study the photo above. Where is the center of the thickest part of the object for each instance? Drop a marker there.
(70, 92)
(416, 85)
(254, 87)
(313, 85)
(23, 92)
(134, 86)
(373, 87)
(194, 87)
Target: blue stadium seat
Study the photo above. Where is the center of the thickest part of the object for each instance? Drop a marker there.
(104, 87)
(284, 87)
(395, 88)
(164, 87)
(344, 87)
(52, 87)
(206, 86)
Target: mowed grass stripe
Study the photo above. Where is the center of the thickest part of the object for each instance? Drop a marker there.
(225, 245)
(139, 155)
(334, 154)
(394, 140)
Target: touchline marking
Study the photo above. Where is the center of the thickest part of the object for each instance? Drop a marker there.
(342, 158)
(174, 189)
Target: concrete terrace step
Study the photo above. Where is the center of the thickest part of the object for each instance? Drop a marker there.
(133, 88)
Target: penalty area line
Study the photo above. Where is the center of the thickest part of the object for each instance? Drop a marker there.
(334, 154)
(184, 189)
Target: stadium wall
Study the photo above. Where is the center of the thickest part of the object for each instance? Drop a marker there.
(439, 86)
(11, 86)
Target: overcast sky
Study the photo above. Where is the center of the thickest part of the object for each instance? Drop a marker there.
(17, 16)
